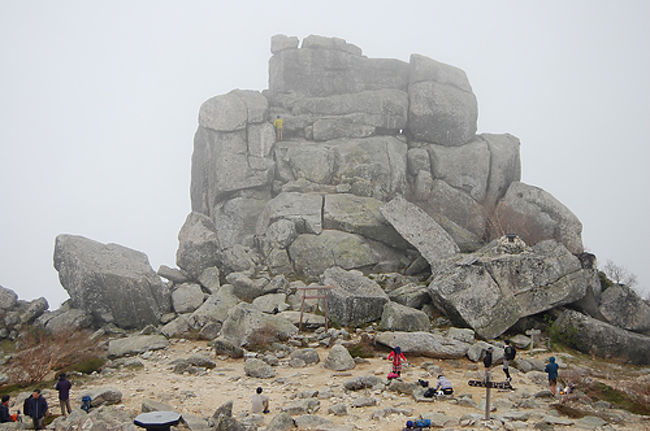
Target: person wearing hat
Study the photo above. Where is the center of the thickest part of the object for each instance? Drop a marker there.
(444, 385)
(551, 369)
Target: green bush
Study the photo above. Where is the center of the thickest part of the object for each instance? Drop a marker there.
(621, 400)
(605, 282)
(562, 336)
(87, 366)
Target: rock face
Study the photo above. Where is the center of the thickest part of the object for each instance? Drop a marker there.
(112, 283)
(491, 289)
(593, 336)
(535, 215)
(397, 317)
(247, 326)
(424, 343)
(358, 132)
(419, 229)
(354, 299)
(135, 345)
(622, 307)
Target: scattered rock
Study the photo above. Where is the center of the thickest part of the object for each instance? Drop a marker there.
(305, 406)
(258, 368)
(104, 396)
(153, 406)
(363, 402)
(281, 422)
(339, 359)
(309, 356)
(136, 344)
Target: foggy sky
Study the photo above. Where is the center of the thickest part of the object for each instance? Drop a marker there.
(99, 104)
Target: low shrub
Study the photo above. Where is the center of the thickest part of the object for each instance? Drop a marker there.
(620, 399)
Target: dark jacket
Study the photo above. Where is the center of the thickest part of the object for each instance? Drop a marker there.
(487, 360)
(509, 353)
(63, 386)
(36, 407)
(4, 414)
(551, 369)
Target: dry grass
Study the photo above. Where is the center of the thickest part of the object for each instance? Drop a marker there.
(40, 352)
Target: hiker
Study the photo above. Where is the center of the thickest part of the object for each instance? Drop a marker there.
(36, 407)
(63, 386)
(4, 410)
(509, 353)
(397, 356)
(260, 403)
(551, 370)
(487, 362)
(278, 123)
(444, 385)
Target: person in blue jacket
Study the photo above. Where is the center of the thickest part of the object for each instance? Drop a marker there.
(551, 370)
(36, 408)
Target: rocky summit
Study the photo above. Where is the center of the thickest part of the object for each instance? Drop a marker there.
(380, 188)
(358, 133)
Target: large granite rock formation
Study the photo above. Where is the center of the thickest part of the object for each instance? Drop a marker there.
(112, 283)
(595, 337)
(491, 289)
(358, 132)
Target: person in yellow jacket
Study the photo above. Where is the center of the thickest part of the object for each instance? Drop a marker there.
(278, 123)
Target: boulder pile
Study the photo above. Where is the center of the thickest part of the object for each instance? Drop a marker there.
(379, 188)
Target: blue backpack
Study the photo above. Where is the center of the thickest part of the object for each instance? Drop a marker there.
(86, 403)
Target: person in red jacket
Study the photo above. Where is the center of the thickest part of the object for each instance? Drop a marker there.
(397, 356)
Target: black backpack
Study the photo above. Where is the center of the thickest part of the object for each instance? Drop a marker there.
(26, 409)
(429, 393)
(510, 353)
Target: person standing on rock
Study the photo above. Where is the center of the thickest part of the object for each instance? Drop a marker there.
(551, 370)
(260, 403)
(63, 386)
(509, 353)
(36, 408)
(397, 356)
(278, 123)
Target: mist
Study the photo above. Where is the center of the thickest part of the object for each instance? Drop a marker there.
(100, 104)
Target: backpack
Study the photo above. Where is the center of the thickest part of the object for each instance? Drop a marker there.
(511, 352)
(26, 409)
(86, 403)
(429, 393)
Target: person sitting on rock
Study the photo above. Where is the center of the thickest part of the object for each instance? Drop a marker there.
(4, 410)
(278, 123)
(397, 356)
(260, 403)
(444, 386)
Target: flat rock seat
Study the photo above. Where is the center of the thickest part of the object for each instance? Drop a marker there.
(157, 421)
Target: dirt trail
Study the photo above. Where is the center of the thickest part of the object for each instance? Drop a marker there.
(201, 395)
